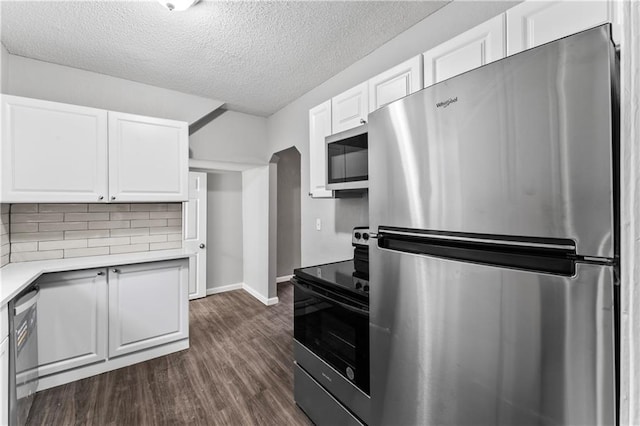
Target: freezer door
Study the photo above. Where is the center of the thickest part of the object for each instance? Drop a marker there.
(522, 146)
(456, 343)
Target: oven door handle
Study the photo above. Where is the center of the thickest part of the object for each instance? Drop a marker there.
(328, 299)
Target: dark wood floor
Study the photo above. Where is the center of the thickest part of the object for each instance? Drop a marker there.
(238, 371)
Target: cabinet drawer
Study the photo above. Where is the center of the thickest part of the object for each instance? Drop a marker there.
(322, 408)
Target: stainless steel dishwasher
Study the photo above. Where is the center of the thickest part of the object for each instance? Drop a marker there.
(23, 354)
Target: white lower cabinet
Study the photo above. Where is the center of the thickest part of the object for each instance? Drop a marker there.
(72, 320)
(148, 305)
(96, 320)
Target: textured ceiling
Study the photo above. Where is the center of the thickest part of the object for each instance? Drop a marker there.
(255, 56)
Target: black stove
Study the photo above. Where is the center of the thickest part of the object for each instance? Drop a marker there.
(339, 276)
(331, 337)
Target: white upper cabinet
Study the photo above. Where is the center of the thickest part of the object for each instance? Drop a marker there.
(52, 152)
(396, 83)
(478, 46)
(533, 23)
(319, 128)
(350, 109)
(148, 158)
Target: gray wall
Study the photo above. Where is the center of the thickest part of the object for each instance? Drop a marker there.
(224, 229)
(290, 126)
(4, 65)
(232, 136)
(288, 208)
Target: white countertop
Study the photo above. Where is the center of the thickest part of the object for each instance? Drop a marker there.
(15, 277)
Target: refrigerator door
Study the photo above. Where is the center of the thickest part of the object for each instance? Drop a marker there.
(522, 146)
(455, 343)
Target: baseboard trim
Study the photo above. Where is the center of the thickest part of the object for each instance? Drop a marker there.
(224, 288)
(283, 279)
(64, 377)
(260, 297)
(243, 286)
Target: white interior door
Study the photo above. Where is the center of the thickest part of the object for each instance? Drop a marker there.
(195, 233)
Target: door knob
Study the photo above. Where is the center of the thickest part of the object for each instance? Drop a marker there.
(201, 245)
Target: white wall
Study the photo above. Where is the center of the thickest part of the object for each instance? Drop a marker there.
(44, 80)
(255, 217)
(224, 229)
(289, 126)
(630, 217)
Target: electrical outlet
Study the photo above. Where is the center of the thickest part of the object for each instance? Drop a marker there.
(318, 224)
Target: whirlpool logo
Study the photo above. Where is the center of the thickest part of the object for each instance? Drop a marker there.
(446, 103)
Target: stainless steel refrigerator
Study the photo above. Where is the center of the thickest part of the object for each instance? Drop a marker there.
(494, 196)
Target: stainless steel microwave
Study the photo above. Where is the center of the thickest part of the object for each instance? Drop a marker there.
(348, 159)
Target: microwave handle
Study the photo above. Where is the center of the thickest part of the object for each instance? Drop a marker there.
(323, 297)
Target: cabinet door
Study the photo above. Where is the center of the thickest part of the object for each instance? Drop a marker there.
(478, 46)
(148, 305)
(533, 23)
(52, 152)
(148, 159)
(72, 320)
(396, 83)
(319, 128)
(350, 109)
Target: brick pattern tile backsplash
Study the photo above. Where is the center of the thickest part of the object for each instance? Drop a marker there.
(4, 234)
(57, 231)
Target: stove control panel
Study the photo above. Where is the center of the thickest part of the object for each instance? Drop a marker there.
(360, 236)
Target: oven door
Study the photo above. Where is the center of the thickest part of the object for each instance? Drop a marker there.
(335, 328)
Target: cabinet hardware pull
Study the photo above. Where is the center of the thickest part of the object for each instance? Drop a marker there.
(101, 197)
(113, 197)
(362, 121)
(117, 271)
(100, 273)
(202, 245)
